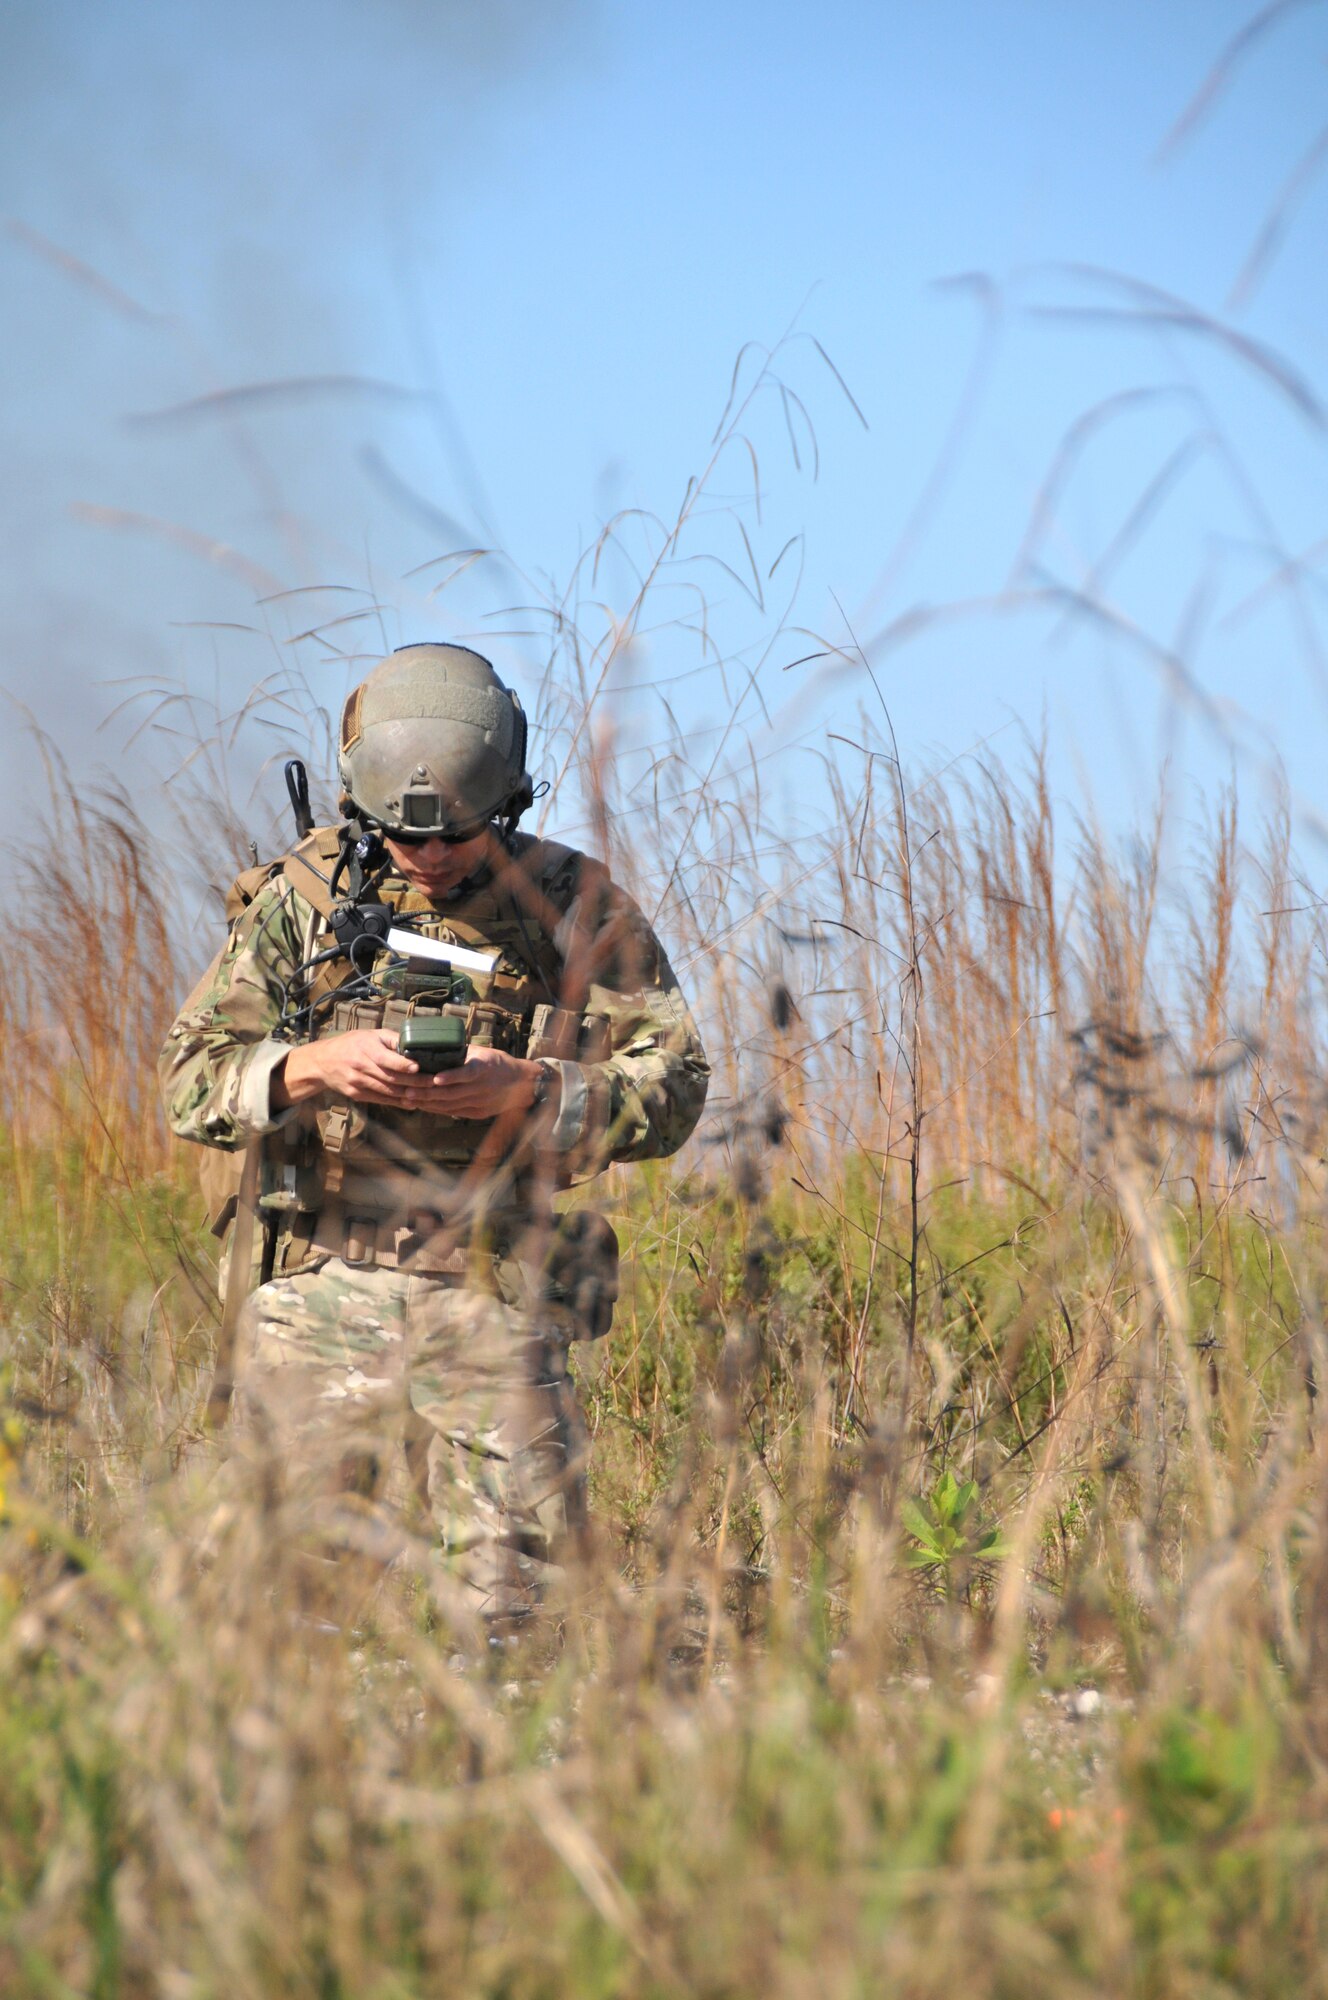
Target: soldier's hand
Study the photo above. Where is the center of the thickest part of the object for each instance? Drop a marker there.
(490, 1083)
(365, 1065)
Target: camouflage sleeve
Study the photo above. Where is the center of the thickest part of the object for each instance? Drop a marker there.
(216, 1068)
(645, 1100)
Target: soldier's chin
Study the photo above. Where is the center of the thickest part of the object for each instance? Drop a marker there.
(431, 879)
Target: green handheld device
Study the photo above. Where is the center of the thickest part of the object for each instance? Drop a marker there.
(434, 1041)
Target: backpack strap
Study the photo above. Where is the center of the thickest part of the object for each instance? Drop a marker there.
(308, 867)
(246, 887)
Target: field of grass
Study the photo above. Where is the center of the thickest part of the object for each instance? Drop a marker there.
(953, 1623)
(956, 1619)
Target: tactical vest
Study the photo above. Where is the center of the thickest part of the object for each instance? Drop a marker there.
(355, 1180)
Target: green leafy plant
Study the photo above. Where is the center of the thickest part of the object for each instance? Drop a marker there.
(947, 1533)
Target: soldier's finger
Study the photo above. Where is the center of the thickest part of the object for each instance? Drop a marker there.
(465, 1083)
(447, 1093)
(370, 1076)
(389, 1060)
(473, 1105)
(390, 1094)
(386, 1066)
(412, 1092)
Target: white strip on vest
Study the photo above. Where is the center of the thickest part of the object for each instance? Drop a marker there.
(410, 945)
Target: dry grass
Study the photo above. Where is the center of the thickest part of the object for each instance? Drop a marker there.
(980, 1195)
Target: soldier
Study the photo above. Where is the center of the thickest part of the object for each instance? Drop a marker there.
(413, 1282)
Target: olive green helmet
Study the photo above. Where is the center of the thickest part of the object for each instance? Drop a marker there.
(432, 742)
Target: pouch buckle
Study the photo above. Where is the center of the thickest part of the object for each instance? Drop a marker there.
(336, 1128)
(359, 1242)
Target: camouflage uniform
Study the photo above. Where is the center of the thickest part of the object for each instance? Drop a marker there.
(413, 1287)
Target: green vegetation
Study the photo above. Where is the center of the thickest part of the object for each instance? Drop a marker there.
(1009, 1689)
(955, 1619)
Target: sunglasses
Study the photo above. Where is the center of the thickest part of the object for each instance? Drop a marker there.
(416, 837)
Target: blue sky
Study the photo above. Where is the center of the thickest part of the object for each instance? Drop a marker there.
(554, 225)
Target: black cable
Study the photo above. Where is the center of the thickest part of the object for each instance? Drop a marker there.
(293, 1018)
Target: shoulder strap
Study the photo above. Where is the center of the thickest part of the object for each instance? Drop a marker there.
(246, 886)
(308, 869)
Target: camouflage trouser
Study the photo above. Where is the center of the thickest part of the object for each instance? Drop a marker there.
(343, 1367)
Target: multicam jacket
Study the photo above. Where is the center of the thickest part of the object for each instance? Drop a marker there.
(566, 938)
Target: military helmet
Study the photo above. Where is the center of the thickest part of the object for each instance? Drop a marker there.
(432, 742)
